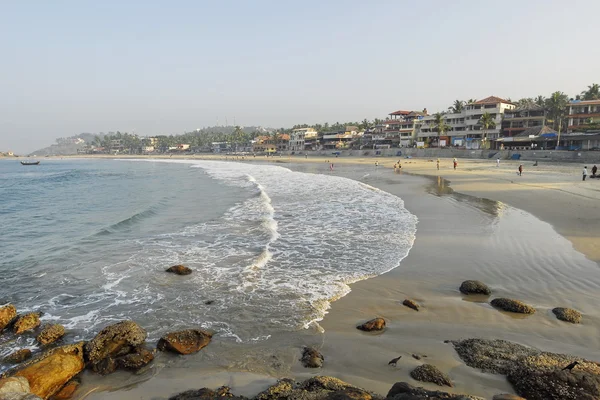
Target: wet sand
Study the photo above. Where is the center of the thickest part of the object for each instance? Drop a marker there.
(459, 237)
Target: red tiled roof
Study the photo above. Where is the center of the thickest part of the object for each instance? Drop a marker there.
(400, 112)
(492, 100)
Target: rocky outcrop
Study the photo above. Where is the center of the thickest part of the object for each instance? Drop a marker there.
(206, 394)
(17, 357)
(475, 287)
(184, 342)
(376, 324)
(114, 340)
(48, 373)
(50, 334)
(283, 389)
(430, 373)
(506, 396)
(534, 374)
(405, 391)
(179, 270)
(136, 360)
(311, 358)
(511, 305)
(27, 322)
(567, 314)
(67, 391)
(7, 314)
(411, 304)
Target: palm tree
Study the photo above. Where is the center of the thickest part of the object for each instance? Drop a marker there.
(471, 101)
(540, 100)
(487, 122)
(440, 125)
(525, 102)
(592, 92)
(556, 105)
(457, 107)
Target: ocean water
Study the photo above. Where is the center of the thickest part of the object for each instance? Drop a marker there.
(87, 242)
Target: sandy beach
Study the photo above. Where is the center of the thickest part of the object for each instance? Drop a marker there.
(532, 237)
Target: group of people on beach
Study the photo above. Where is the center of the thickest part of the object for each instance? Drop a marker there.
(594, 172)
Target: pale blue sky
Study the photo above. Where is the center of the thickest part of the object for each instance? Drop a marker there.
(165, 67)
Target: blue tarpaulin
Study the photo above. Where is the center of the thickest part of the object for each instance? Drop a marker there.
(515, 157)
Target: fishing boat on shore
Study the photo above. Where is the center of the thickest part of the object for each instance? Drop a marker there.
(30, 162)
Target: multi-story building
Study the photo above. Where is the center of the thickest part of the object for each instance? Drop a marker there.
(401, 127)
(298, 138)
(582, 113)
(521, 119)
(465, 129)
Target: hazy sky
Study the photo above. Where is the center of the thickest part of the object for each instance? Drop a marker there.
(168, 66)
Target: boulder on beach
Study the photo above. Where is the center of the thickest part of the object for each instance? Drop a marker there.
(7, 314)
(511, 305)
(281, 390)
(534, 374)
(430, 373)
(50, 334)
(106, 366)
(406, 391)
(27, 322)
(17, 357)
(311, 358)
(475, 287)
(48, 373)
(179, 270)
(136, 360)
(411, 304)
(375, 324)
(16, 388)
(567, 314)
(115, 340)
(207, 394)
(507, 396)
(184, 342)
(67, 391)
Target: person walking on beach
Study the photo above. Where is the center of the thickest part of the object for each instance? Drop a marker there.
(455, 163)
(594, 171)
(331, 167)
(376, 164)
(438, 164)
(497, 162)
(520, 169)
(584, 172)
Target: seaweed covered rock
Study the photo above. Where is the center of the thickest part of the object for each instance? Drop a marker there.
(405, 391)
(27, 322)
(50, 334)
(311, 358)
(185, 342)
(7, 314)
(511, 305)
(474, 287)
(430, 373)
(179, 270)
(376, 324)
(411, 304)
(17, 357)
(115, 340)
(567, 314)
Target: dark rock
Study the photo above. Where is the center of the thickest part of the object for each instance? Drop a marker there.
(411, 304)
(17, 357)
(27, 322)
(106, 366)
(376, 324)
(567, 314)
(511, 305)
(184, 342)
(179, 270)
(536, 384)
(416, 356)
(283, 389)
(475, 287)
(405, 391)
(50, 334)
(110, 341)
(67, 391)
(429, 373)
(349, 394)
(506, 396)
(311, 358)
(209, 302)
(136, 360)
(206, 394)
(7, 314)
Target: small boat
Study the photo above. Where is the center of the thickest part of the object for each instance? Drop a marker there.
(30, 162)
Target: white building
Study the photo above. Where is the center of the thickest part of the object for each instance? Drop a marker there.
(465, 130)
(298, 137)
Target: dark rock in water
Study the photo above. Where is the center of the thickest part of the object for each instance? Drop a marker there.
(67, 391)
(405, 391)
(105, 366)
(311, 358)
(411, 304)
(283, 389)
(475, 287)
(136, 360)
(416, 356)
(534, 374)
(507, 397)
(209, 302)
(179, 270)
(429, 373)
(511, 305)
(567, 314)
(27, 322)
(349, 394)
(184, 342)
(376, 324)
(206, 394)
(17, 357)
(50, 334)
(7, 314)
(110, 341)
